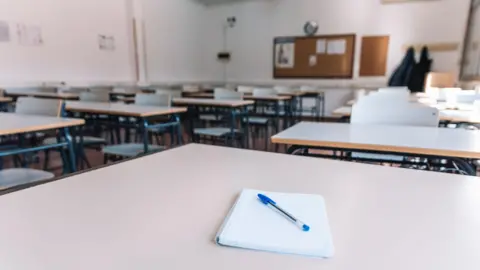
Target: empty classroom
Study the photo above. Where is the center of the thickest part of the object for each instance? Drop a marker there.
(231, 134)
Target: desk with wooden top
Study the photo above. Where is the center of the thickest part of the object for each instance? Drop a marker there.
(19, 124)
(61, 95)
(126, 217)
(237, 109)
(446, 115)
(458, 146)
(142, 114)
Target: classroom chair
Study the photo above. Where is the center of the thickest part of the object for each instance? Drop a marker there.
(173, 93)
(217, 133)
(244, 89)
(400, 114)
(99, 96)
(21, 176)
(127, 150)
(316, 109)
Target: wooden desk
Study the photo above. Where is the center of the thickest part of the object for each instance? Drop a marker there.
(5, 99)
(127, 217)
(245, 97)
(454, 116)
(142, 113)
(409, 140)
(121, 109)
(69, 96)
(13, 124)
(212, 102)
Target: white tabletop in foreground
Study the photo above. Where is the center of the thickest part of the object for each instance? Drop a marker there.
(153, 213)
(403, 139)
(13, 123)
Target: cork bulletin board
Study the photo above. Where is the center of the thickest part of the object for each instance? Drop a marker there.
(325, 56)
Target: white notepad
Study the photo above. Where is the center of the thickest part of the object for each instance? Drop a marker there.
(253, 225)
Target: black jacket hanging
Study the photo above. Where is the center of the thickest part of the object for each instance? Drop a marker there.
(420, 71)
(401, 76)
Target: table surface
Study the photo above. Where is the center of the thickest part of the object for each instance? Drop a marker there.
(5, 99)
(121, 109)
(13, 123)
(464, 116)
(44, 94)
(128, 216)
(246, 97)
(212, 102)
(402, 139)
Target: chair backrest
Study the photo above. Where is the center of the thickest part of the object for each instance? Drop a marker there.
(224, 94)
(95, 96)
(160, 100)
(264, 92)
(48, 89)
(308, 88)
(230, 87)
(283, 89)
(172, 93)
(219, 90)
(405, 114)
(39, 106)
(244, 89)
(2, 92)
(191, 88)
(76, 90)
(97, 89)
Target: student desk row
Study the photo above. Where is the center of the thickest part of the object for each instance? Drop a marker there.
(127, 217)
(17, 124)
(446, 115)
(459, 147)
(142, 115)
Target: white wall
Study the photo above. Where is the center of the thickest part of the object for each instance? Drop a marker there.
(70, 52)
(260, 21)
(177, 33)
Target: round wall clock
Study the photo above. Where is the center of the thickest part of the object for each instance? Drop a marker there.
(310, 28)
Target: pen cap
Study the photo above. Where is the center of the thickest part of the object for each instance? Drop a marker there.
(264, 199)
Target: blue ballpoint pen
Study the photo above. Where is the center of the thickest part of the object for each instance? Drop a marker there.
(267, 201)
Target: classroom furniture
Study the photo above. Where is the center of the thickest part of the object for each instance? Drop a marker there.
(458, 146)
(374, 56)
(447, 116)
(23, 123)
(94, 96)
(318, 110)
(143, 116)
(236, 110)
(40, 94)
(127, 216)
(324, 56)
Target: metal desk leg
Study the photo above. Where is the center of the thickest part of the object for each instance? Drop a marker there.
(233, 124)
(71, 149)
(179, 129)
(144, 130)
(247, 127)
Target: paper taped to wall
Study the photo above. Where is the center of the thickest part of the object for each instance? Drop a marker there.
(338, 46)
(4, 31)
(312, 60)
(321, 46)
(29, 35)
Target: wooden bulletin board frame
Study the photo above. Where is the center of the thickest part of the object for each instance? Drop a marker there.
(348, 58)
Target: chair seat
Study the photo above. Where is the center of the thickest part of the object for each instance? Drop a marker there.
(216, 132)
(86, 140)
(19, 176)
(210, 117)
(257, 120)
(377, 156)
(130, 149)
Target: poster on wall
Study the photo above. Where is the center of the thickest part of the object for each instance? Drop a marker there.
(285, 53)
(321, 46)
(338, 46)
(29, 35)
(106, 43)
(4, 32)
